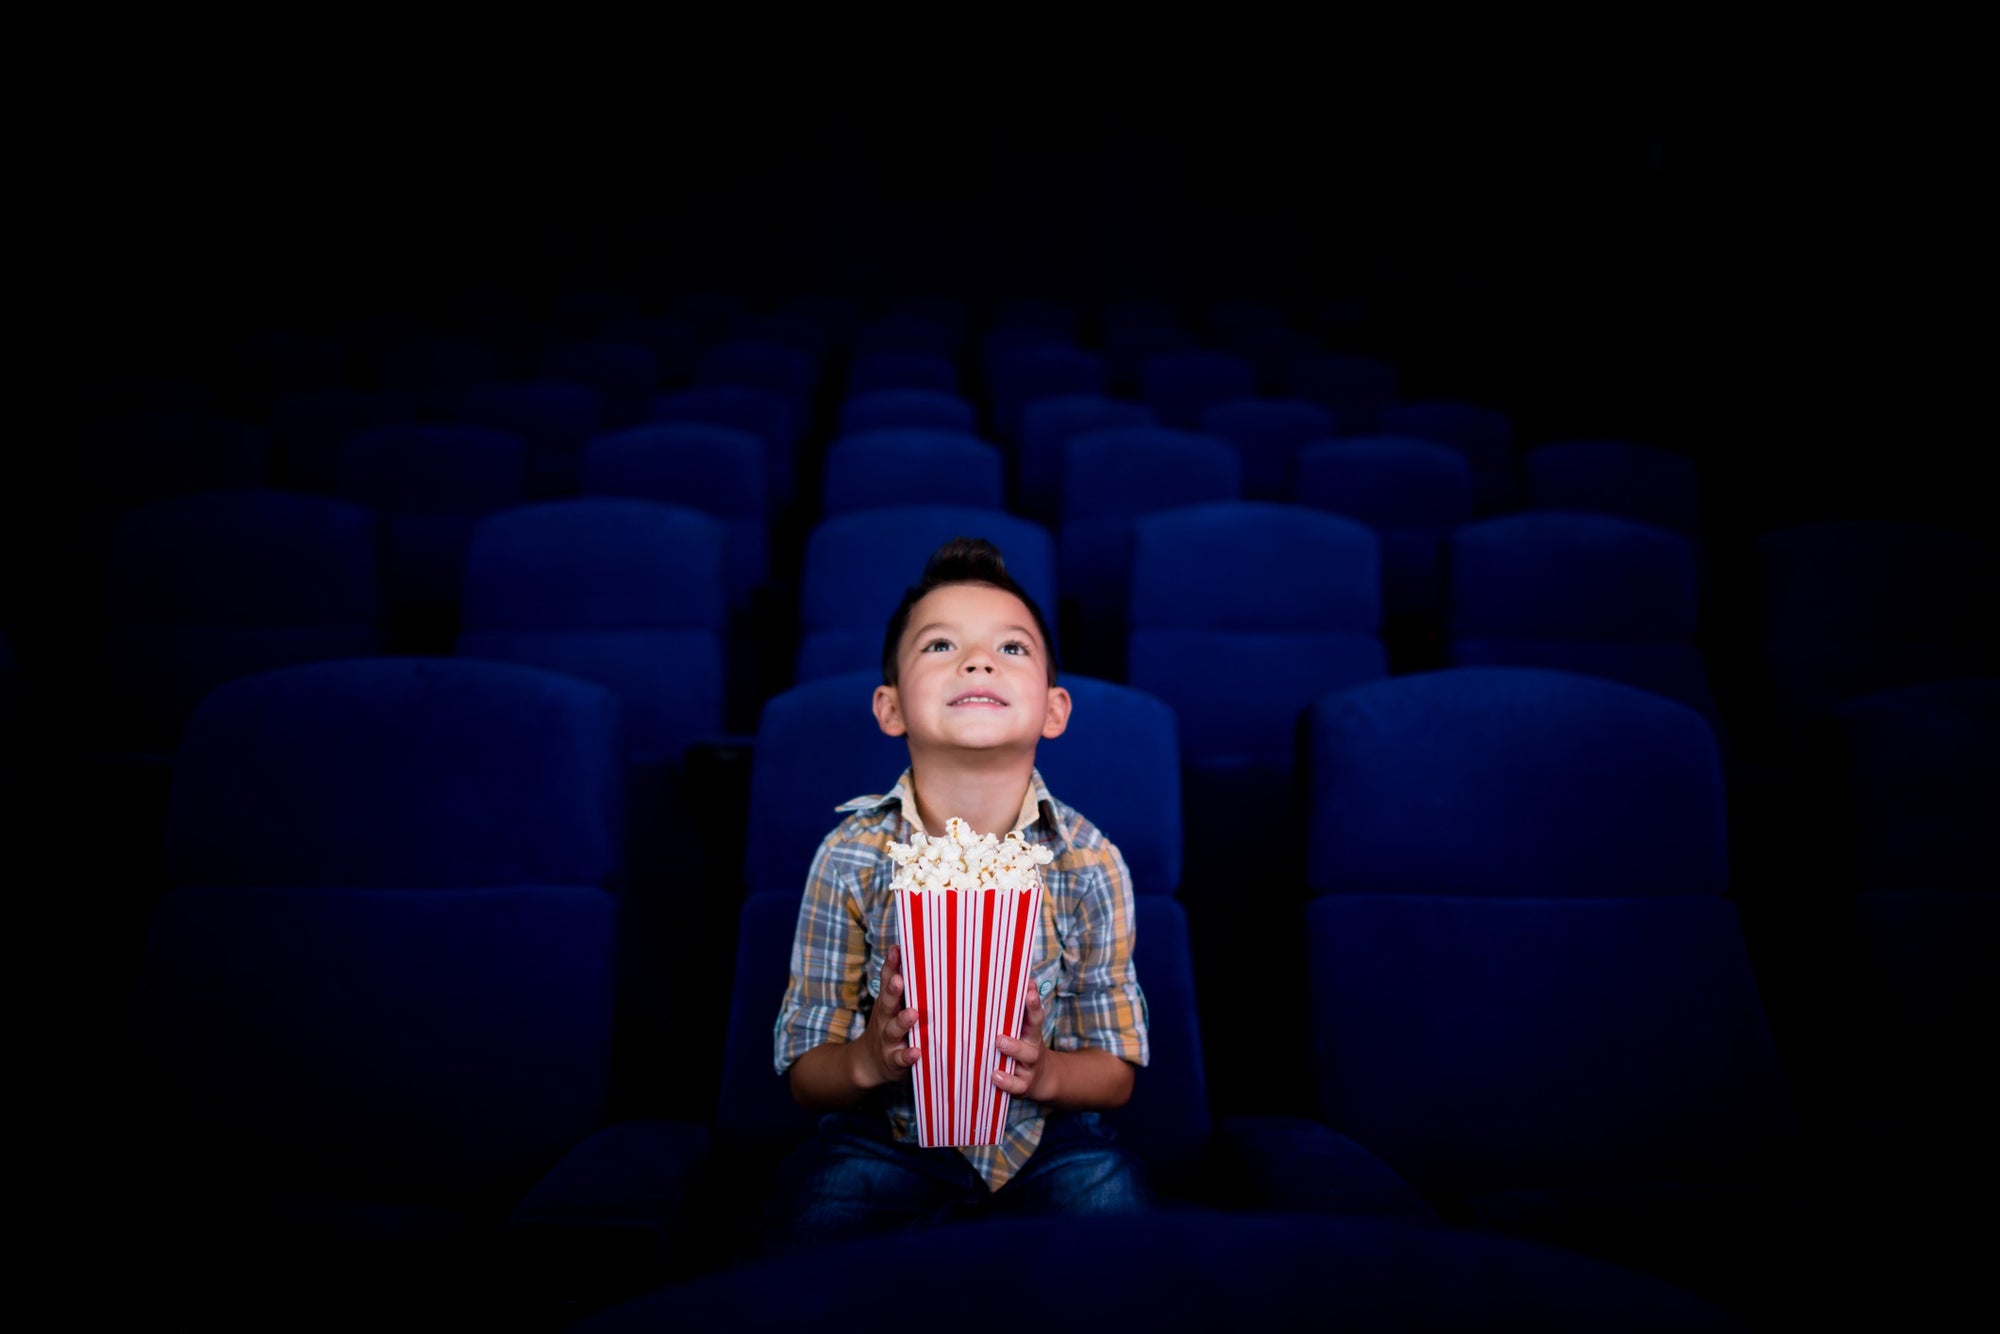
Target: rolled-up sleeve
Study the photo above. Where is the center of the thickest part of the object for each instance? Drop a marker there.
(1103, 1007)
(826, 997)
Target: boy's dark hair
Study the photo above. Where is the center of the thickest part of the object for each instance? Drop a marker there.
(963, 560)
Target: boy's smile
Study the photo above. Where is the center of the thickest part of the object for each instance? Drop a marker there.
(972, 674)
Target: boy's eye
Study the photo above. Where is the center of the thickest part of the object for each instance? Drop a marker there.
(937, 646)
(1014, 646)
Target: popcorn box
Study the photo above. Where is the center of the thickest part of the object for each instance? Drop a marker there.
(966, 961)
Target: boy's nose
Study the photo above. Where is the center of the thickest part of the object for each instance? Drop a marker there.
(978, 666)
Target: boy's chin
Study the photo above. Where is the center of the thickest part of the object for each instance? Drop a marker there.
(973, 742)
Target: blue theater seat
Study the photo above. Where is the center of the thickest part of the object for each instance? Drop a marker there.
(888, 408)
(1355, 387)
(630, 595)
(204, 588)
(1111, 476)
(1592, 593)
(885, 467)
(1482, 432)
(1047, 425)
(373, 1029)
(889, 369)
(1023, 365)
(1528, 993)
(769, 414)
(554, 417)
(855, 567)
(1242, 614)
(1183, 385)
(431, 483)
(1268, 434)
(818, 745)
(718, 470)
(1413, 493)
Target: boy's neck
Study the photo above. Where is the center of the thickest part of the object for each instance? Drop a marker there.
(987, 798)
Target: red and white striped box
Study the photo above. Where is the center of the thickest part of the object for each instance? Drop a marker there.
(967, 955)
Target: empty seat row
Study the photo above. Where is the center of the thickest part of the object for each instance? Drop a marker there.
(389, 874)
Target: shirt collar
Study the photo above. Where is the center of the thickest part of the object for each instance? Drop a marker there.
(1036, 804)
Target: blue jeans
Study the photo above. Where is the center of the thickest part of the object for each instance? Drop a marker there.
(854, 1179)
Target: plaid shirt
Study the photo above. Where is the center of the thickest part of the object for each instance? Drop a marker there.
(848, 920)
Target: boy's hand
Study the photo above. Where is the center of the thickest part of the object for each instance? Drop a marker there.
(1027, 1050)
(885, 1055)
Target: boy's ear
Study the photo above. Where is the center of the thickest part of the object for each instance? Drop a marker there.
(1057, 717)
(889, 711)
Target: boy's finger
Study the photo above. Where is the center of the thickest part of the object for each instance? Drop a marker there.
(1022, 1050)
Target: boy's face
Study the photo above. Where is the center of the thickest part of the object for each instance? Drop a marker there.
(972, 674)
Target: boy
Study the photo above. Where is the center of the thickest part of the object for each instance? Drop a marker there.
(970, 683)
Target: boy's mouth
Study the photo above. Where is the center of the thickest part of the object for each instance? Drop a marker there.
(978, 697)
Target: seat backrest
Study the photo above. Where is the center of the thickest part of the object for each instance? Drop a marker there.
(1111, 476)
(1120, 472)
(628, 361)
(309, 427)
(208, 587)
(892, 369)
(1130, 340)
(1047, 425)
(1118, 762)
(431, 483)
(1516, 781)
(432, 366)
(1387, 482)
(384, 969)
(1583, 592)
(888, 408)
(1556, 574)
(548, 413)
(856, 566)
(1268, 434)
(818, 745)
(1482, 432)
(433, 468)
(719, 470)
(1412, 492)
(1181, 385)
(1352, 385)
(399, 772)
(631, 594)
(885, 467)
(596, 563)
(1649, 483)
(1242, 613)
(765, 413)
(764, 363)
(1028, 365)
